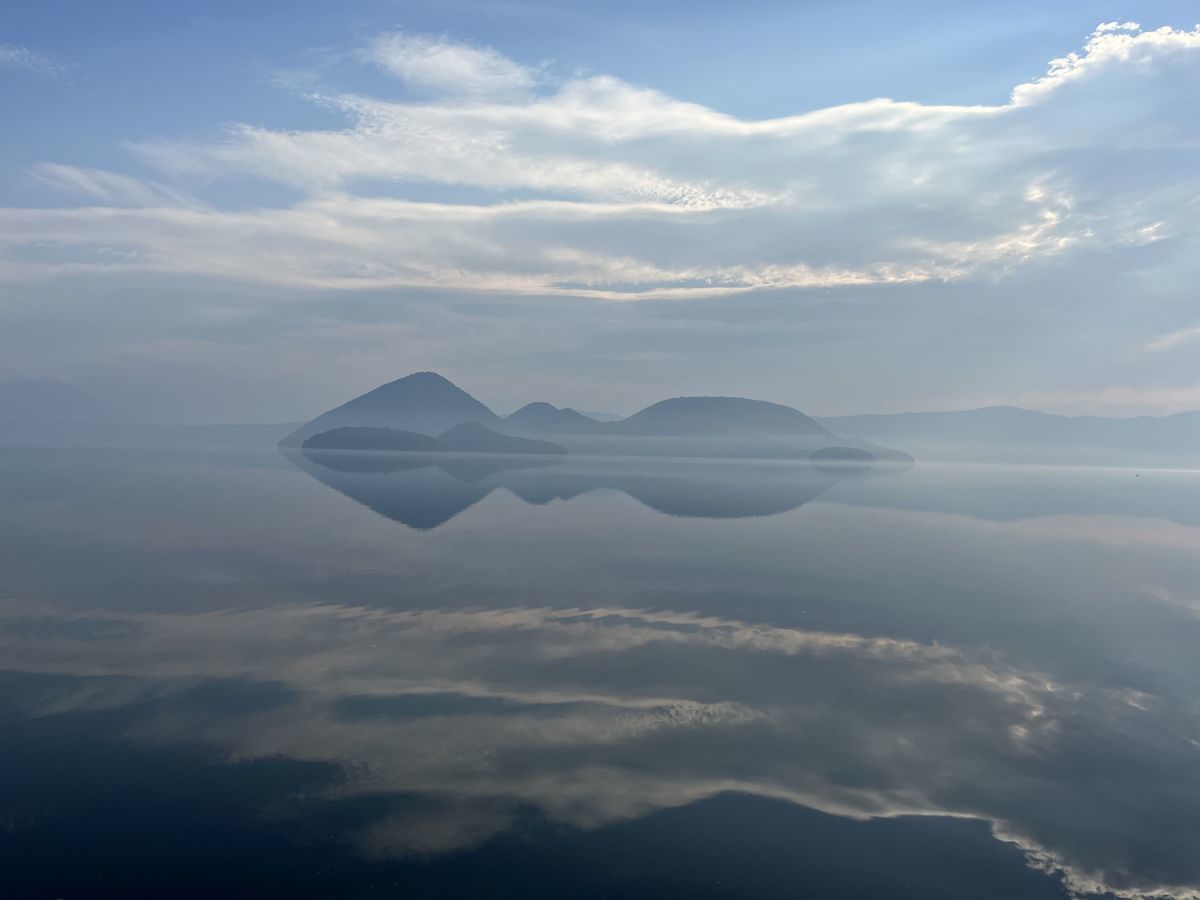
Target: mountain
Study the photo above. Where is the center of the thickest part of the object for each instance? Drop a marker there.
(683, 416)
(467, 437)
(698, 427)
(542, 417)
(49, 401)
(1009, 433)
(720, 427)
(424, 402)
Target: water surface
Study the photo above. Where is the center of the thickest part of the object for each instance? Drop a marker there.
(243, 673)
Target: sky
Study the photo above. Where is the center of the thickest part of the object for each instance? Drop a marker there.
(231, 212)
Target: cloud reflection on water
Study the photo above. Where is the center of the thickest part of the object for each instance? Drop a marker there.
(1013, 671)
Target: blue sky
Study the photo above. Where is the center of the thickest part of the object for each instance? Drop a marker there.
(247, 212)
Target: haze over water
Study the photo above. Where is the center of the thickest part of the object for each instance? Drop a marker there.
(363, 675)
(552, 449)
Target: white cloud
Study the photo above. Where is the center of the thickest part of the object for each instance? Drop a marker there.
(15, 57)
(1112, 43)
(111, 187)
(444, 65)
(602, 188)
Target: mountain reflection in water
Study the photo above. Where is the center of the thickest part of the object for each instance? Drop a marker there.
(220, 678)
(427, 490)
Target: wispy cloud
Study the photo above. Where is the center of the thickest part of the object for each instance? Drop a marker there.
(1174, 339)
(441, 64)
(110, 187)
(26, 60)
(598, 187)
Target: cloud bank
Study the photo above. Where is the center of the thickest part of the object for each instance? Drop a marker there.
(588, 185)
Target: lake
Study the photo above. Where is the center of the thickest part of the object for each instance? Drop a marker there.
(244, 673)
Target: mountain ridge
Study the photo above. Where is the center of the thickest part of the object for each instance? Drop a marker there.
(704, 414)
(542, 416)
(426, 403)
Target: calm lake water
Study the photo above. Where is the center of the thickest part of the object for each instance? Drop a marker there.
(245, 674)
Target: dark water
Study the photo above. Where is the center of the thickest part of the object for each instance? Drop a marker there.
(240, 674)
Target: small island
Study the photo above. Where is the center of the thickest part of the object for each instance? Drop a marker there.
(468, 437)
(362, 437)
(843, 454)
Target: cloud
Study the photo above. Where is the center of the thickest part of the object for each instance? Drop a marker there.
(602, 188)
(26, 60)
(970, 238)
(1112, 43)
(1173, 339)
(110, 187)
(437, 63)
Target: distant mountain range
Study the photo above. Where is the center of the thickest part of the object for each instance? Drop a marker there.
(1008, 433)
(411, 412)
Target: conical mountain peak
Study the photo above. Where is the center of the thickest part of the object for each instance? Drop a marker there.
(423, 402)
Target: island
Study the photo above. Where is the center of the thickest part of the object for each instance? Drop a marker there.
(426, 412)
(467, 437)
